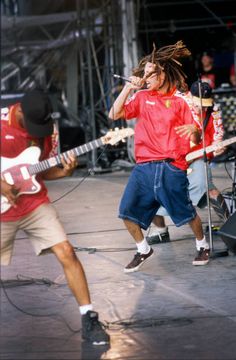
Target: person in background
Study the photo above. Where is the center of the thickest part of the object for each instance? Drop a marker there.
(213, 131)
(232, 76)
(25, 124)
(162, 132)
(208, 72)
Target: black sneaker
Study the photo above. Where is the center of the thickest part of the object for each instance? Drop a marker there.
(158, 238)
(202, 257)
(137, 261)
(92, 329)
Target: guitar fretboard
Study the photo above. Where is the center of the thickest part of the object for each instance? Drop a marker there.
(209, 149)
(56, 160)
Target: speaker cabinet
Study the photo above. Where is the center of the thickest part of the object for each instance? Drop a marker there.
(228, 233)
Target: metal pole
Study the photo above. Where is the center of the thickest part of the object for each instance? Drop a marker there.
(90, 81)
(213, 253)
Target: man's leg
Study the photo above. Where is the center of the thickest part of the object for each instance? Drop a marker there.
(92, 329)
(159, 233)
(159, 221)
(134, 230)
(196, 226)
(202, 246)
(219, 205)
(74, 272)
(144, 250)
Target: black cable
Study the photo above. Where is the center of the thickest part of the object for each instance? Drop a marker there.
(82, 180)
(18, 308)
(92, 250)
(30, 282)
(153, 322)
(22, 280)
(227, 171)
(71, 190)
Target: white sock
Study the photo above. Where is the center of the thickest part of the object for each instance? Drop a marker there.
(156, 230)
(143, 247)
(202, 244)
(85, 308)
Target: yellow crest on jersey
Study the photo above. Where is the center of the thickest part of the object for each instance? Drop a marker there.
(168, 104)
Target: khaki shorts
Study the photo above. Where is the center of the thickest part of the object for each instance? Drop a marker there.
(42, 226)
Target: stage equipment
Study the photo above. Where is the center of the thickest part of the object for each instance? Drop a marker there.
(228, 233)
(213, 253)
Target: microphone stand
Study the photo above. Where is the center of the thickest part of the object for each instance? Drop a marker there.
(213, 253)
(232, 207)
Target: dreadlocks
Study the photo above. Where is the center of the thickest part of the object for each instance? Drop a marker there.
(167, 59)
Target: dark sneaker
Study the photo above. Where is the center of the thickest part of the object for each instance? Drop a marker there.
(158, 238)
(202, 257)
(92, 329)
(137, 261)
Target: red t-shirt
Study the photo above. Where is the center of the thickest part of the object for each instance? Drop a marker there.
(155, 135)
(14, 140)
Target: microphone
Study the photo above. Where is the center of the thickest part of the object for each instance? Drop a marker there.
(121, 77)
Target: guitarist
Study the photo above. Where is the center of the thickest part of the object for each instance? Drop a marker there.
(22, 125)
(213, 127)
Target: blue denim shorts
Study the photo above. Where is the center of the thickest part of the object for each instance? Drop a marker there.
(197, 184)
(155, 184)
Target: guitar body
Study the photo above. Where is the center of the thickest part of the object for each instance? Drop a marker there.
(15, 172)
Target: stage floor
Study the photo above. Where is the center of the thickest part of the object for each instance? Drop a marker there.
(168, 310)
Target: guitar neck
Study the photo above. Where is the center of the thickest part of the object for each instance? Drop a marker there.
(209, 149)
(56, 160)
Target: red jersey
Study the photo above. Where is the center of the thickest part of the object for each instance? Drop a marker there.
(14, 140)
(157, 116)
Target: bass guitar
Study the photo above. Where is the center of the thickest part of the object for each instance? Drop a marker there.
(21, 171)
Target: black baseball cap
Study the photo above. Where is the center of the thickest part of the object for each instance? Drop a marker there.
(37, 110)
(206, 94)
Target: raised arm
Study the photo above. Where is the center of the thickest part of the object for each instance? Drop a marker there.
(117, 110)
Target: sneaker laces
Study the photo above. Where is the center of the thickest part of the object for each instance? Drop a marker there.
(201, 251)
(95, 323)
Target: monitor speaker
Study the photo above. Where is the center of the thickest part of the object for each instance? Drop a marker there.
(228, 233)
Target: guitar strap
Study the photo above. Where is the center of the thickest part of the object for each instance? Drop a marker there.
(207, 117)
(41, 142)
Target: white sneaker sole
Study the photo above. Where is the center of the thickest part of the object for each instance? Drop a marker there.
(126, 271)
(199, 263)
(96, 343)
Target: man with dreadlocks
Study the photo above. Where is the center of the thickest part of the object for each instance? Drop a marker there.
(206, 115)
(163, 133)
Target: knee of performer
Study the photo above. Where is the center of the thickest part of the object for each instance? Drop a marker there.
(65, 252)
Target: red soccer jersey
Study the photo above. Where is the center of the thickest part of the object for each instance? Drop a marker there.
(14, 140)
(155, 135)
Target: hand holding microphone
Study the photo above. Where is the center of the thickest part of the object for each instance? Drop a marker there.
(137, 82)
(122, 77)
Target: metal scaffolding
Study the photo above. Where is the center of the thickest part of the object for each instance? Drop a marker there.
(72, 49)
(74, 53)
